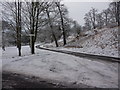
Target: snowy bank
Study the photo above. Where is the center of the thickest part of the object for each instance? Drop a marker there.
(104, 42)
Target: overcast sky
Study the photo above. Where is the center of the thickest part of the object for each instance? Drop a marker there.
(77, 10)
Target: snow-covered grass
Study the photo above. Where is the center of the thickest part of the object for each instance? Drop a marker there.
(61, 67)
(60, 42)
(102, 42)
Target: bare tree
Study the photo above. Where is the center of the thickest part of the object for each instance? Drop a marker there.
(88, 19)
(32, 16)
(62, 22)
(51, 26)
(92, 14)
(13, 16)
(32, 25)
(18, 24)
(114, 8)
(3, 40)
(118, 13)
(76, 28)
(99, 20)
(106, 16)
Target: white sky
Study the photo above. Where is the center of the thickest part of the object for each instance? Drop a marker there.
(77, 10)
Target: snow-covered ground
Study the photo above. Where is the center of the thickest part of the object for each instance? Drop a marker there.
(61, 67)
(103, 42)
(60, 42)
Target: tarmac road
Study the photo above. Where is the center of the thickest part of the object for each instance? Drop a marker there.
(16, 81)
(83, 55)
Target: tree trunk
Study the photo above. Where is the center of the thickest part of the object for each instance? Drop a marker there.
(18, 25)
(50, 24)
(36, 29)
(32, 29)
(56, 43)
(34, 24)
(19, 28)
(19, 49)
(118, 13)
(3, 40)
(62, 23)
(32, 45)
(94, 20)
(106, 20)
(94, 26)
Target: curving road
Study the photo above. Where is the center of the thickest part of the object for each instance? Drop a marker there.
(83, 55)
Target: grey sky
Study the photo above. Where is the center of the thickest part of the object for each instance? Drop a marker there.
(77, 10)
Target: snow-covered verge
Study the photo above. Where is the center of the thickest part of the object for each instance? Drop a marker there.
(60, 42)
(61, 67)
(102, 42)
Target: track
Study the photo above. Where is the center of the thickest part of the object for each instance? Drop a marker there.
(15, 81)
(83, 55)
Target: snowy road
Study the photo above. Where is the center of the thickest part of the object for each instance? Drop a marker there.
(84, 55)
(61, 67)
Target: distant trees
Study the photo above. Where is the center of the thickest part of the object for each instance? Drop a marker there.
(77, 28)
(13, 17)
(9, 35)
(99, 20)
(109, 17)
(112, 14)
(106, 16)
(92, 14)
(117, 11)
(90, 18)
(4, 27)
(87, 19)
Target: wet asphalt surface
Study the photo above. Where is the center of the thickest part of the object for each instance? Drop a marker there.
(14, 81)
